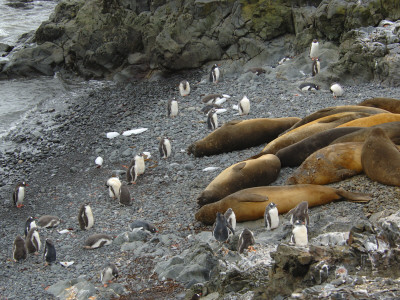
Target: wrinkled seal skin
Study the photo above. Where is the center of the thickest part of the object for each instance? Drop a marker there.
(256, 172)
(249, 204)
(389, 104)
(240, 134)
(302, 132)
(373, 120)
(335, 110)
(392, 130)
(330, 164)
(380, 158)
(294, 155)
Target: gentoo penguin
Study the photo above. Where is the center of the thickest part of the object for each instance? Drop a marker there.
(172, 108)
(164, 147)
(206, 109)
(314, 51)
(143, 224)
(49, 252)
(113, 184)
(29, 224)
(99, 162)
(85, 217)
(299, 234)
(271, 216)
(300, 212)
(19, 194)
(97, 240)
(19, 249)
(109, 273)
(212, 119)
(316, 66)
(337, 90)
(196, 296)
(48, 221)
(307, 86)
(257, 71)
(184, 88)
(244, 106)
(246, 239)
(135, 169)
(221, 228)
(214, 74)
(32, 241)
(124, 195)
(230, 218)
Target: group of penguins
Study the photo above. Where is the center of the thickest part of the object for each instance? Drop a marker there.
(225, 225)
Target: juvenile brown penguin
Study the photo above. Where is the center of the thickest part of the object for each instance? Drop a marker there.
(97, 240)
(48, 221)
(19, 249)
(246, 239)
(300, 212)
(124, 196)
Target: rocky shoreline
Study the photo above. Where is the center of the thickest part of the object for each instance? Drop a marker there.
(54, 151)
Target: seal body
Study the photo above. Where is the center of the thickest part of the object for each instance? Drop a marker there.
(184, 88)
(337, 90)
(124, 196)
(29, 224)
(97, 240)
(250, 173)
(49, 255)
(113, 185)
(214, 74)
(143, 224)
(240, 134)
(299, 234)
(308, 86)
(300, 212)
(109, 273)
(172, 108)
(271, 216)
(314, 50)
(230, 218)
(244, 106)
(389, 104)
(19, 249)
(380, 158)
(249, 204)
(19, 194)
(373, 120)
(164, 148)
(246, 239)
(48, 221)
(85, 217)
(32, 241)
(212, 119)
(316, 67)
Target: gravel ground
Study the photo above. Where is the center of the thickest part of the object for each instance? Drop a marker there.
(55, 148)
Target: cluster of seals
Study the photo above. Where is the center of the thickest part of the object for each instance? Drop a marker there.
(373, 120)
(389, 104)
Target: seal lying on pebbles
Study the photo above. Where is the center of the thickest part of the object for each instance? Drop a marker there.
(240, 134)
(97, 240)
(373, 120)
(380, 158)
(249, 204)
(389, 104)
(257, 172)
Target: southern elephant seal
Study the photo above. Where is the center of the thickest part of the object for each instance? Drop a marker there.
(389, 104)
(249, 204)
(240, 134)
(373, 120)
(255, 172)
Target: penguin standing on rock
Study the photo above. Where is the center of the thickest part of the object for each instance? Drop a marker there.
(29, 224)
(300, 212)
(85, 217)
(113, 184)
(32, 241)
(299, 234)
(98, 161)
(135, 169)
(109, 273)
(231, 218)
(124, 196)
(221, 228)
(316, 66)
(271, 216)
(49, 252)
(244, 106)
(184, 88)
(172, 108)
(214, 74)
(164, 147)
(246, 239)
(314, 51)
(19, 249)
(212, 119)
(19, 194)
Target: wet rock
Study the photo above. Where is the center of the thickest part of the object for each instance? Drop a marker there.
(78, 288)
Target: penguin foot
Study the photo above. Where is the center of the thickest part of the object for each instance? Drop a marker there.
(251, 249)
(105, 285)
(20, 205)
(126, 167)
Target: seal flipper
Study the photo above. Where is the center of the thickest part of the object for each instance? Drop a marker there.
(239, 167)
(354, 197)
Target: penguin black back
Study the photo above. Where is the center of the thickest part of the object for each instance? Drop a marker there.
(246, 239)
(49, 252)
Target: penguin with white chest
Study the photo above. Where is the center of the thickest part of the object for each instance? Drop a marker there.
(49, 254)
(48, 221)
(231, 218)
(19, 249)
(300, 212)
(244, 106)
(336, 90)
(172, 108)
(246, 239)
(314, 50)
(214, 74)
(212, 119)
(19, 194)
(113, 184)
(299, 234)
(164, 147)
(97, 240)
(32, 241)
(109, 273)
(184, 88)
(271, 216)
(29, 224)
(308, 86)
(85, 217)
(316, 67)
(136, 168)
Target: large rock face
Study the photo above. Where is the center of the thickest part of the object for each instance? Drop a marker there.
(101, 38)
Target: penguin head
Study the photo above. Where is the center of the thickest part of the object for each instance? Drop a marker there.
(315, 41)
(298, 223)
(271, 205)
(49, 243)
